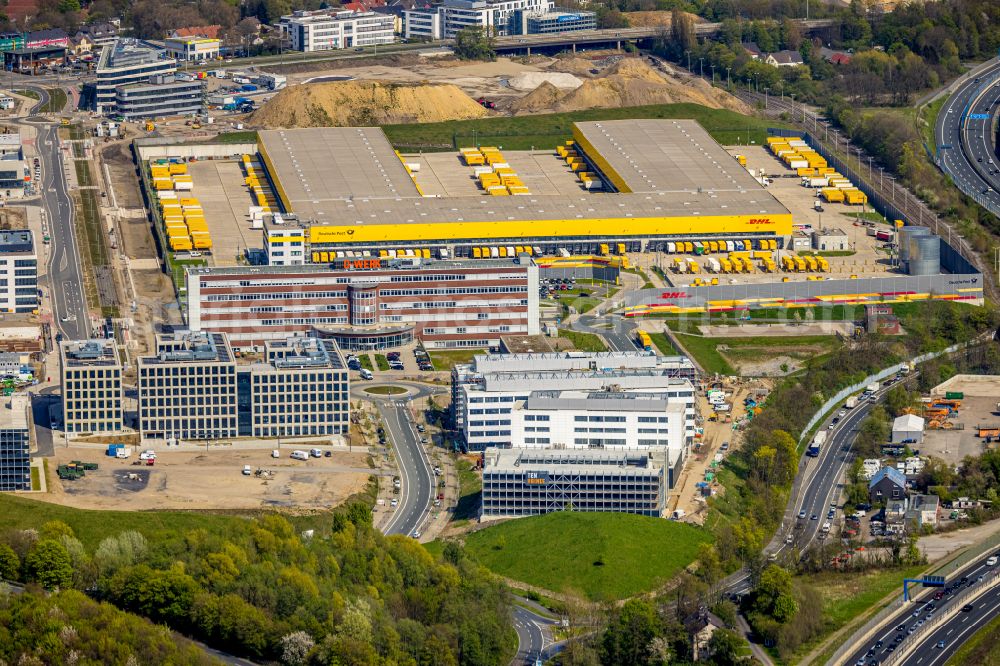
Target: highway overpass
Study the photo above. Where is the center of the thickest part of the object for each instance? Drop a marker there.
(615, 36)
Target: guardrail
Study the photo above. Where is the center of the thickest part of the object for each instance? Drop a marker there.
(976, 196)
(878, 376)
(907, 645)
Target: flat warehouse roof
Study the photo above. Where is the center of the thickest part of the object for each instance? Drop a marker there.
(351, 185)
(664, 155)
(317, 165)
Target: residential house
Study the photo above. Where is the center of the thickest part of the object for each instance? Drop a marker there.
(835, 57)
(895, 516)
(923, 510)
(702, 630)
(96, 35)
(753, 50)
(784, 58)
(203, 31)
(887, 484)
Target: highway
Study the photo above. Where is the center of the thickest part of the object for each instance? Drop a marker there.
(953, 632)
(956, 630)
(964, 137)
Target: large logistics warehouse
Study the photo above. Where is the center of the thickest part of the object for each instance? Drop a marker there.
(641, 183)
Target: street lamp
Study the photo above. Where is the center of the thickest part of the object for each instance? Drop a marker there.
(701, 67)
(729, 81)
(765, 97)
(712, 65)
(688, 52)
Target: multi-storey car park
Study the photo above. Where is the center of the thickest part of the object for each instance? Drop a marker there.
(658, 180)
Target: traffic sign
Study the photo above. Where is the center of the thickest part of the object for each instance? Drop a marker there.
(979, 116)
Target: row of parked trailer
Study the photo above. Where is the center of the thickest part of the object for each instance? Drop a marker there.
(812, 167)
(590, 180)
(744, 262)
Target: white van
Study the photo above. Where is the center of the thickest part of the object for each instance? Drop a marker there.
(366, 373)
(300, 455)
(316, 453)
(991, 561)
(826, 527)
(247, 470)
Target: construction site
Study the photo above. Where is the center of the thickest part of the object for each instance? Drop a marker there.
(961, 417)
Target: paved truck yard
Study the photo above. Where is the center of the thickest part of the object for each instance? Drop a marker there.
(218, 184)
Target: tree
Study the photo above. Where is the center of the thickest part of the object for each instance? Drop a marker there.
(773, 596)
(10, 563)
(897, 400)
(475, 43)
(295, 648)
(50, 564)
(682, 35)
(726, 647)
(630, 634)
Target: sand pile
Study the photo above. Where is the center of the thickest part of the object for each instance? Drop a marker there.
(542, 98)
(575, 65)
(629, 82)
(531, 80)
(364, 103)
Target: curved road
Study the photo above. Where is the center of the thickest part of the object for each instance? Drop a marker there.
(965, 141)
(616, 330)
(416, 477)
(956, 631)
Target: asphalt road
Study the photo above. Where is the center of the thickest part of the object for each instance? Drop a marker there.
(616, 330)
(964, 136)
(953, 632)
(823, 477)
(64, 274)
(416, 477)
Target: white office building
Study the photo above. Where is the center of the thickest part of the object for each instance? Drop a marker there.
(123, 63)
(284, 240)
(91, 386)
(502, 17)
(422, 23)
(18, 271)
(193, 49)
(495, 378)
(329, 29)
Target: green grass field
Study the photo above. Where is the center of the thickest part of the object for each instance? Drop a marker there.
(546, 131)
(446, 360)
(602, 556)
(57, 100)
(663, 344)
(385, 390)
(366, 361)
(850, 595)
(381, 361)
(583, 341)
(470, 487)
(93, 526)
(30, 94)
(705, 350)
(927, 118)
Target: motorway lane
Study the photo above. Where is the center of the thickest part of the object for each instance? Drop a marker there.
(955, 631)
(904, 616)
(416, 477)
(971, 139)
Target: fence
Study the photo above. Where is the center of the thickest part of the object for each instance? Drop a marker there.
(878, 376)
(951, 258)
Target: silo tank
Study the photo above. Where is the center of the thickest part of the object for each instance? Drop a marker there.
(925, 255)
(904, 236)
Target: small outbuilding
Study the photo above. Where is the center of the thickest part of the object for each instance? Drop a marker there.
(908, 429)
(830, 239)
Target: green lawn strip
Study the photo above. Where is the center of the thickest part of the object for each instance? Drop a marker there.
(385, 390)
(57, 100)
(381, 361)
(982, 648)
(446, 360)
(870, 216)
(663, 344)
(546, 131)
(470, 488)
(603, 556)
(587, 342)
(849, 596)
(83, 175)
(36, 480)
(30, 94)
(927, 119)
(365, 361)
(705, 352)
(17, 513)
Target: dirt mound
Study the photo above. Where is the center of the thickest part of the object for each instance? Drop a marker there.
(531, 80)
(574, 65)
(542, 98)
(632, 82)
(364, 103)
(654, 19)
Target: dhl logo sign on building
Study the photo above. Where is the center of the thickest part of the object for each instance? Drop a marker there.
(596, 228)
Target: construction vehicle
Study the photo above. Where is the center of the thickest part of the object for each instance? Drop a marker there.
(150, 126)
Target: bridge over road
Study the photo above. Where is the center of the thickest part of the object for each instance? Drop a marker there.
(615, 36)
